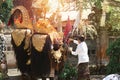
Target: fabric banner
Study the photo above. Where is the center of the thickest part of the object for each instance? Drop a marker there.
(67, 29)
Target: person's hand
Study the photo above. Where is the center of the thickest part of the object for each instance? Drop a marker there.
(70, 40)
(70, 49)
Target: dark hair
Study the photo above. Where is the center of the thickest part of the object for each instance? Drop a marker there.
(56, 47)
(81, 38)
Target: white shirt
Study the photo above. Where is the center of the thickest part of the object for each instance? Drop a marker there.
(82, 52)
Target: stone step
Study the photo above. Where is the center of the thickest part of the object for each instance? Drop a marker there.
(13, 72)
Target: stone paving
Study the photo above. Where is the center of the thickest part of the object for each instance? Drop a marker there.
(14, 74)
(97, 77)
(93, 77)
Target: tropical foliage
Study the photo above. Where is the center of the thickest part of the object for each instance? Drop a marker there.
(113, 52)
(68, 73)
(5, 9)
(1, 77)
(91, 29)
(97, 3)
(113, 20)
(112, 16)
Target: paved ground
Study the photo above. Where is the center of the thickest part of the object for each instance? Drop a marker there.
(97, 77)
(93, 77)
(14, 74)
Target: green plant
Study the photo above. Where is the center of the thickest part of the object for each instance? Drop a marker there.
(5, 9)
(97, 69)
(1, 77)
(68, 73)
(113, 52)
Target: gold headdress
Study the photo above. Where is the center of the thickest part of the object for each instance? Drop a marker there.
(26, 22)
(43, 26)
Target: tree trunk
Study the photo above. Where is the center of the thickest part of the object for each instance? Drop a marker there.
(103, 36)
(1, 1)
(80, 11)
(103, 45)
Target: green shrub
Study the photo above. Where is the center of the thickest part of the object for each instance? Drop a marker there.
(113, 52)
(1, 77)
(97, 70)
(68, 73)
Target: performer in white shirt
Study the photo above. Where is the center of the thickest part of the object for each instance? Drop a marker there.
(83, 58)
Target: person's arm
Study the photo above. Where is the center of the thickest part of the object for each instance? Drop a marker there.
(75, 41)
(76, 52)
(72, 40)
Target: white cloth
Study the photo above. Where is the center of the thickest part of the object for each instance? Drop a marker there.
(82, 52)
(112, 77)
